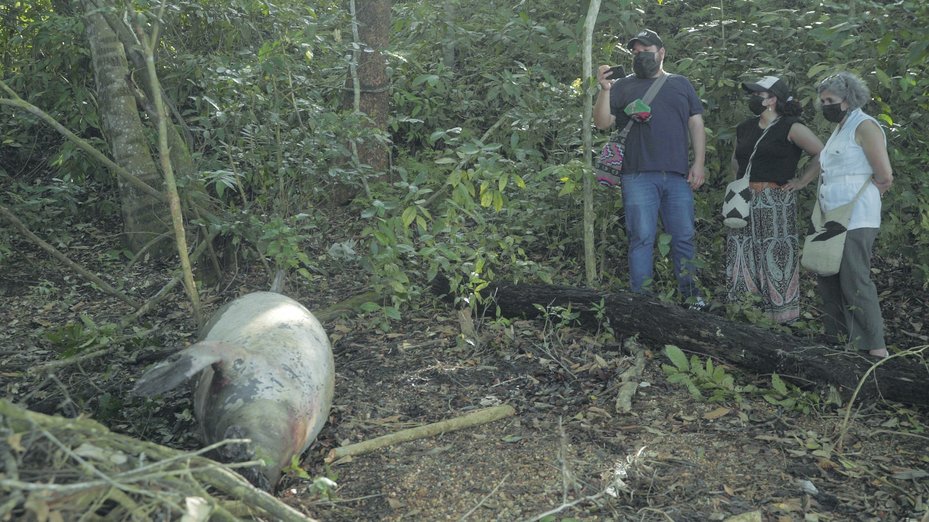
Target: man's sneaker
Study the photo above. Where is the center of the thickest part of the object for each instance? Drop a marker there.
(698, 304)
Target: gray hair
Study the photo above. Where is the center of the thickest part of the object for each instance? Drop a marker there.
(847, 86)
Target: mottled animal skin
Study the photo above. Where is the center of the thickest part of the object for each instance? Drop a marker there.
(267, 375)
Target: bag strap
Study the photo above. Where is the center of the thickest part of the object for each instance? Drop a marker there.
(748, 168)
(854, 199)
(649, 96)
(852, 202)
(654, 88)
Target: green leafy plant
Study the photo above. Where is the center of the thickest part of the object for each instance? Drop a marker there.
(320, 487)
(790, 397)
(699, 377)
(282, 241)
(295, 469)
(76, 337)
(711, 382)
(603, 322)
(323, 487)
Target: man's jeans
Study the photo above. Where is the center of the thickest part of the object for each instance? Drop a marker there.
(645, 196)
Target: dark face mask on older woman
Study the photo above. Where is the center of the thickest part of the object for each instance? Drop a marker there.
(833, 112)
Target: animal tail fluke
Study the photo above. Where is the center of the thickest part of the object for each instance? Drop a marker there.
(177, 368)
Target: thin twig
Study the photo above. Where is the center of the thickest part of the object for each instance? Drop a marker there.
(167, 169)
(568, 505)
(163, 293)
(843, 429)
(566, 481)
(80, 143)
(487, 496)
(77, 359)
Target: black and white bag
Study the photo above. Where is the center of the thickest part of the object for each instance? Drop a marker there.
(738, 200)
(823, 247)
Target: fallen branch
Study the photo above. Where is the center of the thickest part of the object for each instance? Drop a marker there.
(466, 421)
(139, 476)
(843, 428)
(87, 274)
(114, 344)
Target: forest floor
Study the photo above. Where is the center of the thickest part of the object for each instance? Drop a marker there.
(671, 458)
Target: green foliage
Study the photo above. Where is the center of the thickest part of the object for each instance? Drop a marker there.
(560, 317)
(274, 238)
(77, 337)
(484, 124)
(109, 408)
(698, 377)
(281, 242)
(323, 487)
(719, 385)
(44, 58)
(603, 321)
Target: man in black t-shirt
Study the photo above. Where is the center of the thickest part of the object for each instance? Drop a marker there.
(657, 178)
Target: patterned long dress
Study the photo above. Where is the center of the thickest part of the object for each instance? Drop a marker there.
(763, 258)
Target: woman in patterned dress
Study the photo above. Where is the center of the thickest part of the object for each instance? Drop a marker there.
(763, 258)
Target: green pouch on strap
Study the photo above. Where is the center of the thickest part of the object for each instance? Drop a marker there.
(638, 110)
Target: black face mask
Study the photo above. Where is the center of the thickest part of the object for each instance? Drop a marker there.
(833, 112)
(756, 105)
(645, 64)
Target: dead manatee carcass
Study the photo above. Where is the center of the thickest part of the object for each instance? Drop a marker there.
(267, 375)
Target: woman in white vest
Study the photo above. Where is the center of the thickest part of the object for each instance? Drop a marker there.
(855, 154)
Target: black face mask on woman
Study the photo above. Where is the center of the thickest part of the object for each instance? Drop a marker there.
(833, 112)
(756, 105)
(645, 64)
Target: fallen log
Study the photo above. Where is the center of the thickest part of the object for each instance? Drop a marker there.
(756, 349)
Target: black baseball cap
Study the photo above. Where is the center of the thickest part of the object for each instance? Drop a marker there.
(772, 84)
(647, 37)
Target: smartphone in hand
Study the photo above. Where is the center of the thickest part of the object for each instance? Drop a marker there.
(616, 72)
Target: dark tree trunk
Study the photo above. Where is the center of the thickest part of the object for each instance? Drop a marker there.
(373, 18)
(374, 33)
(744, 345)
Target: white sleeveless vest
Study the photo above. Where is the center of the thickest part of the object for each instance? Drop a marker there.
(845, 169)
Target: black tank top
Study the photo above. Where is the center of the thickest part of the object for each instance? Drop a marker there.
(777, 158)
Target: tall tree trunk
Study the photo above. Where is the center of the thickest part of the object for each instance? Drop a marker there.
(144, 217)
(374, 32)
(590, 253)
(181, 158)
(366, 85)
